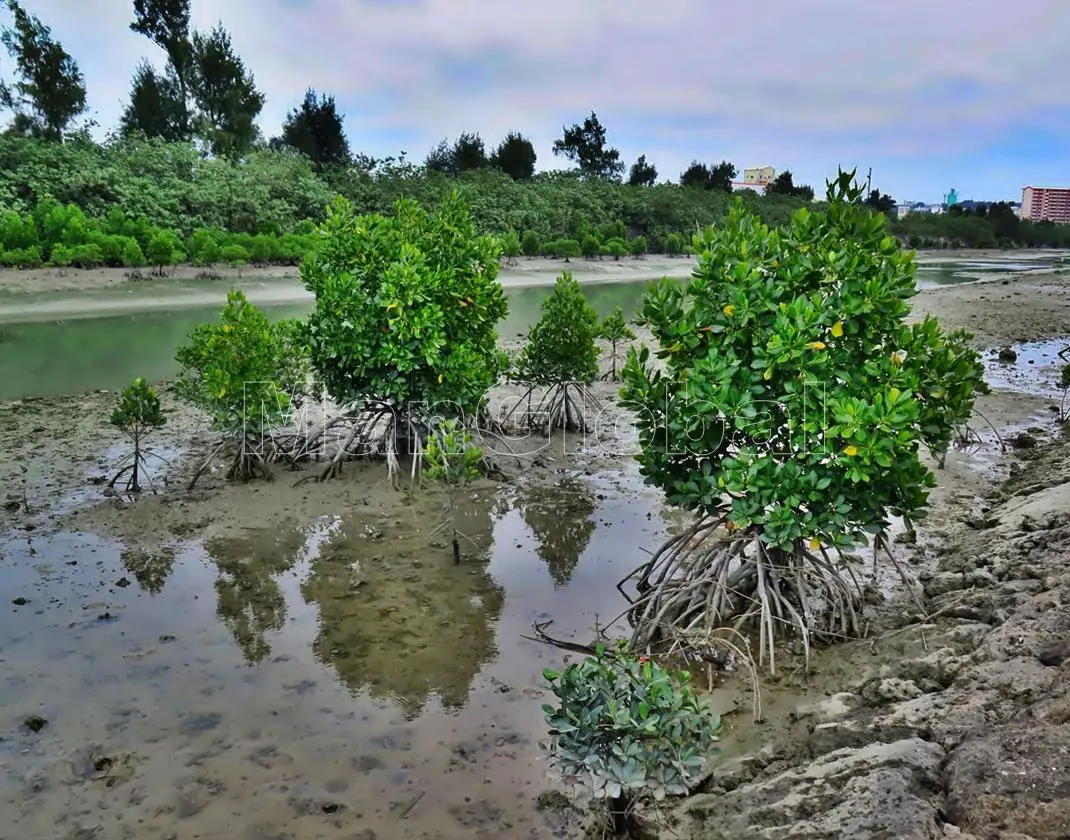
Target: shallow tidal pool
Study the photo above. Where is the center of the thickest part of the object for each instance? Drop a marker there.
(333, 678)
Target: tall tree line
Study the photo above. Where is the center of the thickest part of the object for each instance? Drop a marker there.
(206, 92)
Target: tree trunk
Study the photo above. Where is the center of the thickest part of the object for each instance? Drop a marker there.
(137, 458)
(619, 816)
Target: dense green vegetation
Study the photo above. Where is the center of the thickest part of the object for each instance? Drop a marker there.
(134, 202)
(187, 175)
(624, 729)
(791, 407)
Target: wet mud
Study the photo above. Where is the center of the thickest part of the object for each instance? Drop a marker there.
(274, 661)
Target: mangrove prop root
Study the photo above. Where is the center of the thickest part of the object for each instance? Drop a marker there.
(247, 461)
(563, 405)
(702, 580)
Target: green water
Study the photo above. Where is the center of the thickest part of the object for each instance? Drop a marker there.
(51, 358)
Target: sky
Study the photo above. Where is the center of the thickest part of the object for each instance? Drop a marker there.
(930, 94)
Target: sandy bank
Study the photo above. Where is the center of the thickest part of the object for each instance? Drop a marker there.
(55, 294)
(48, 294)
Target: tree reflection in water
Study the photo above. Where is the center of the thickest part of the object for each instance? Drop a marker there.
(397, 617)
(561, 518)
(249, 600)
(150, 569)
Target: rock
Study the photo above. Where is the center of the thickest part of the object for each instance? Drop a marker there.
(1054, 653)
(20, 601)
(881, 692)
(880, 790)
(1023, 440)
(1016, 778)
(837, 735)
(944, 582)
(939, 666)
(953, 832)
(831, 708)
(1007, 355)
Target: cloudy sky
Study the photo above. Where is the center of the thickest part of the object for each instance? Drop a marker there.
(931, 94)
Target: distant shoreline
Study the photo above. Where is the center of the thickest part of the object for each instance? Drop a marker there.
(54, 294)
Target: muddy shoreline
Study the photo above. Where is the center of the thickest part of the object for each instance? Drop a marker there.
(48, 294)
(43, 294)
(951, 719)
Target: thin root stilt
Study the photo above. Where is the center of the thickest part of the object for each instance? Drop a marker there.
(708, 577)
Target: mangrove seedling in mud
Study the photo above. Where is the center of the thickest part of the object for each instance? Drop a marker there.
(452, 463)
(560, 359)
(789, 416)
(624, 730)
(244, 371)
(615, 330)
(138, 414)
(405, 326)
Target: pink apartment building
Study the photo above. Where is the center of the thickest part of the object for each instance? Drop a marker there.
(1046, 204)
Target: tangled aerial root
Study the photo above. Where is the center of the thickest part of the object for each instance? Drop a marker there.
(247, 461)
(378, 431)
(708, 578)
(564, 405)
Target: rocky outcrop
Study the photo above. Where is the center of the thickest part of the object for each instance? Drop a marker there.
(896, 782)
(1015, 778)
(967, 736)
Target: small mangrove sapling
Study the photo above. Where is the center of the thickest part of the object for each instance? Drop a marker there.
(560, 358)
(452, 462)
(615, 330)
(138, 414)
(243, 371)
(624, 729)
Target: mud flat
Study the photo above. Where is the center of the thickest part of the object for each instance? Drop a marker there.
(283, 281)
(272, 661)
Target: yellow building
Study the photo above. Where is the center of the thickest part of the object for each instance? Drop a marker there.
(759, 176)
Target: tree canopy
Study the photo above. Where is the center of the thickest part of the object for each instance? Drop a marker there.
(166, 24)
(784, 184)
(49, 91)
(719, 177)
(585, 145)
(315, 129)
(515, 156)
(642, 174)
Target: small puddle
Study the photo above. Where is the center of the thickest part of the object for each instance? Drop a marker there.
(1036, 370)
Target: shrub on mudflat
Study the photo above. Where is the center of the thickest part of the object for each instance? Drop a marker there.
(243, 371)
(791, 408)
(406, 317)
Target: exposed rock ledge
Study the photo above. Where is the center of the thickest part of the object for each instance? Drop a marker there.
(966, 735)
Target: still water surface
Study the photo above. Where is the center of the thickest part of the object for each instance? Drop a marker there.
(336, 678)
(50, 358)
